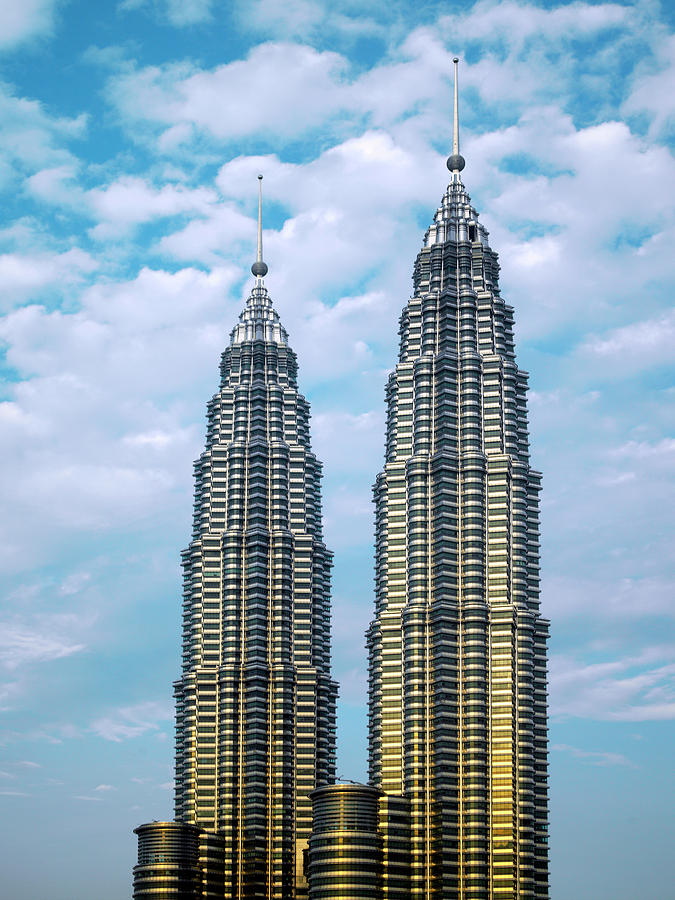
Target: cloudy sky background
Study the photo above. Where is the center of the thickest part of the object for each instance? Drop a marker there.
(132, 133)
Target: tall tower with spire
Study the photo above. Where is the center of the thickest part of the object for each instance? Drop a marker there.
(255, 720)
(457, 647)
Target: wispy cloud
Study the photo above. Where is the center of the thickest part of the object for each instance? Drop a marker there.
(638, 344)
(663, 449)
(637, 689)
(132, 721)
(180, 13)
(595, 757)
(20, 645)
(608, 598)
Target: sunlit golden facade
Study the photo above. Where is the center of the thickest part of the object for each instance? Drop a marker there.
(360, 844)
(177, 861)
(256, 703)
(457, 648)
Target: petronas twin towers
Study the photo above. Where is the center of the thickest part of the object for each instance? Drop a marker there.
(457, 803)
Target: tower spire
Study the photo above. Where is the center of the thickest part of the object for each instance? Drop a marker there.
(456, 162)
(259, 268)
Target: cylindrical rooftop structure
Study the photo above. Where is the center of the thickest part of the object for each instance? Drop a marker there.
(345, 849)
(168, 862)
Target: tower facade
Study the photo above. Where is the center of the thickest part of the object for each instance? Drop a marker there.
(457, 647)
(255, 704)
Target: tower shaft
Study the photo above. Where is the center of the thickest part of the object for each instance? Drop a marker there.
(457, 648)
(255, 703)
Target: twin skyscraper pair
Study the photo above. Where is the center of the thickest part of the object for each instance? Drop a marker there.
(456, 807)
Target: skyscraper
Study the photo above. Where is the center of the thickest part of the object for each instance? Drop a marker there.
(457, 647)
(255, 704)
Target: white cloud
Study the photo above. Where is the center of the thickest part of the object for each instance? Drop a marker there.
(49, 639)
(654, 88)
(642, 343)
(604, 597)
(9, 690)
(22, 20)
(629, 689)
(33, 139)
(28, 276)
(159, 440)
(131, 721)
(56, 185)
(130, 201)
(209, 239)
(346, 326)
(516, 23)
(311, 19)
(74, 583)
(121, 205)
(177, 12)
(595, 261)
(595, 757)
(663, 449)
(236, 99)
(188, 12)
(289, 18)
(344, 440)
(348, 517)
(89, 438)
(607, 518)
(105, 788)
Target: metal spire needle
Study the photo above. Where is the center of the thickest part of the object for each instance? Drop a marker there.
(259, 268)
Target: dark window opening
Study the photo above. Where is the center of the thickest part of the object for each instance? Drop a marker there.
(472, 232)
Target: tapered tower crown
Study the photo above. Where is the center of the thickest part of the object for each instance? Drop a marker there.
(259, 320)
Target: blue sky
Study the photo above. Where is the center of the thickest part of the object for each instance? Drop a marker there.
(132, 133)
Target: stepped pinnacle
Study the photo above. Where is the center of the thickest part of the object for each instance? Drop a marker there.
(259, 268)
(259, 320)
(456, 162)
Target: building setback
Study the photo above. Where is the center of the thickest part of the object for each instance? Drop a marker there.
(457, 647)
(255, 704)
